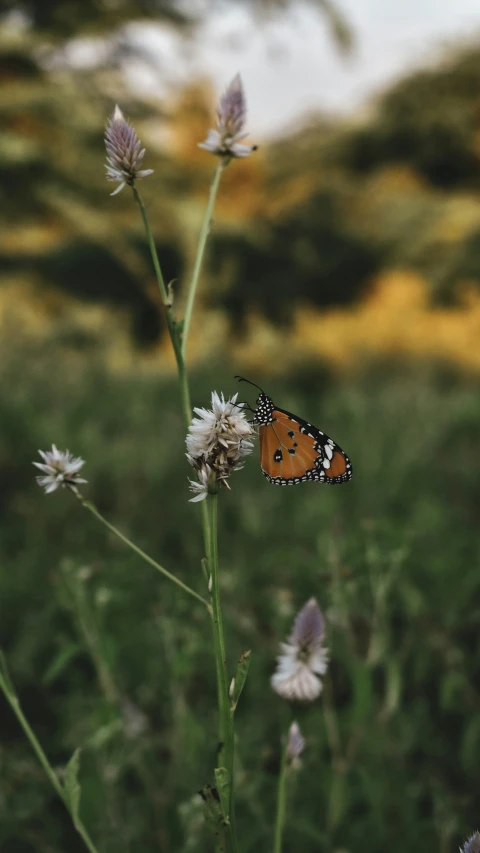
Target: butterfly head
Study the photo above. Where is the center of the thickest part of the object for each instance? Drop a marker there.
(263, 414)
(264, 411)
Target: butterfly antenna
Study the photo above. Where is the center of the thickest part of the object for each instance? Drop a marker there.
(242, 379)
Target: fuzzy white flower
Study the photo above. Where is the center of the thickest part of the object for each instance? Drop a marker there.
(295, 745)
(59, 468)
(472, 845)
(217, 442)
(231, 115)
(125, 152)
(303, 657)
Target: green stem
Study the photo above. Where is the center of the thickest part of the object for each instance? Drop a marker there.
(225, 722)
(167, 302)
(15, 706)
(281, 800)
(202, 242)
(92, 508)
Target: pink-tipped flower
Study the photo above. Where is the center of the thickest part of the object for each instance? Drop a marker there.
(472, 845)
(295, 745)
(124, 152)
(59, 468)
(303, 657)
(231, 115)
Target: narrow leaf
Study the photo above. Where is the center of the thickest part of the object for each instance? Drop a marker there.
(60, 662)
(5, 677)
(222, 779)
(240, 678)
(72, 787)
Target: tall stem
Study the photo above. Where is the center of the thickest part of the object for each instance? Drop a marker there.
(202, 242)
(225, 721)
(281, 801)
(92, 508)
(52, 776)
(167, 302)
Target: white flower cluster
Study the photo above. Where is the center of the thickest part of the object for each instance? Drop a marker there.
(231, 115)
(303, 657)
(217, 442)
(59, 468)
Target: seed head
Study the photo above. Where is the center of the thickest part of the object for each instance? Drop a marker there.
(124, 152)
(217, 442)
(60, 468)
(231, 115)
(303, 657)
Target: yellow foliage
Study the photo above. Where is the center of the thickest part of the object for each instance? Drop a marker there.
(396, 320)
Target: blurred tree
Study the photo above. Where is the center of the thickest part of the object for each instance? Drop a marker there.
(308, 253)
(62, 230)
(74, 17)
(431, 120)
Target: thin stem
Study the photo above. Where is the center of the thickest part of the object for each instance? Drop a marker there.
(92, 508)
(225, 722)
(34, 743)
(202, 241)
(167, 302)
(152, 247)
(281, 800)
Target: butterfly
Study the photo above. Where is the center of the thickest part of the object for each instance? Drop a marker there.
(294, 451)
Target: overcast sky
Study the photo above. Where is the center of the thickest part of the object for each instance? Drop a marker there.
(291, 66)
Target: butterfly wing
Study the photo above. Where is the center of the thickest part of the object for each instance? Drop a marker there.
(294, 451)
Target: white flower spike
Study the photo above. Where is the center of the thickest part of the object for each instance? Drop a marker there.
(303, 657)
(124, 152)
(217, 442)
(59, 468)
(231, 115)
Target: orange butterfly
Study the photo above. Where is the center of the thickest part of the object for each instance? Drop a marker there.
(292, 450)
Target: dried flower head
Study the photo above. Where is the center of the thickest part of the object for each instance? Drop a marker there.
(295, 745)
(472, 845)
(231, 115)
(303, 657)
(124, 152)
(217, 441)
(60, 468)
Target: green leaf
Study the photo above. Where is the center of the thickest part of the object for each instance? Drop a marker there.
(72, 787)
(105, 734)
(213, 808)
(60, 661)
(222, 779)
(362, 704)
(240, 678)
(393, 677)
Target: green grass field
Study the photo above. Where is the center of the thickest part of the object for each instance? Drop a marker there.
(109, 656)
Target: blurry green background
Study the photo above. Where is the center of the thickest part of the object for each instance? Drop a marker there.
(343, 274)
